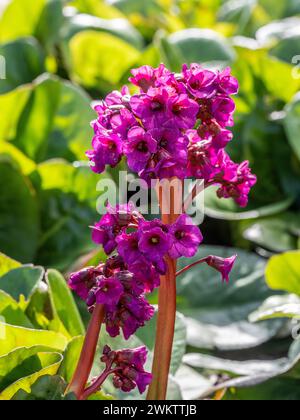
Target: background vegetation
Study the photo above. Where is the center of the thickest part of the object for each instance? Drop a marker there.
(60, 55)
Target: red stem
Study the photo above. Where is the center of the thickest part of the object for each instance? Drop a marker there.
(96, 386)
(85, 364)
(166, 308)
(185, 269)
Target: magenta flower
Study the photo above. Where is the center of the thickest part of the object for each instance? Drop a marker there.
(122, 121)
(105, 232)
(203, 159)
(236, 181)
(186, 238)
(127, 367)
(223, 265)
(82, 281)
(183, 111)
(201, 83)
(227, 83)
(154, 240)
(130, 314)
(139, 148)
(109, 291)
(143, 77)
(107, 150)
(222, 110)
(128, 247)
(151, 108)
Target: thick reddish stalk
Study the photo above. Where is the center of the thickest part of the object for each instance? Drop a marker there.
(166, 304)
(85, 364)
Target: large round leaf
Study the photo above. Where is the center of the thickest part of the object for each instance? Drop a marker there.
(63, 304)
(292, 124)
(117, 27)
(22, 281)
(98, 58)
(197, 45)
(13, 337)
(40, 18)
(67, 196)
(7, 264)
(53, 119)
(19, 216)
(283, 272)
(24, 61)
(278, 234)
(218, 313)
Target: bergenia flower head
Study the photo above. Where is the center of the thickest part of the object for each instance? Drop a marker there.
(128, 368)
(153, 128)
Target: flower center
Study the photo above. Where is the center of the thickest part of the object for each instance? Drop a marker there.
(155, 240)
(142, 147)
(163, 143)
(179, 235)
(112, 145)
(156, 106)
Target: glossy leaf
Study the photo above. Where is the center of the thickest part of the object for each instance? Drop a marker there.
(22, 281)
(216, 313)
(13, 337)
(7, 264)
(283, 272)
(24, 60)
(63, 303)
(18, 213)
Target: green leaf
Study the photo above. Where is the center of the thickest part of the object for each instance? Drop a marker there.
(110, 54)
(63, 303)
(24, 22)
(203, 46)
(226, 209)
(45, 388)
(283, 272)
(71, 357)
(277, 307)
(7, 264)
(12, 337)
(191, 383)
(208, 364)
(49, 364)
(287, 48)
(120, 28)
(43, 21)
(20, 363)
(9, 151)
(24, 62)
(216, 313)
(278, 78)
(67, 196)
(278, 384)
(278, 234)
(11, 312)
(292, 124)
(18, 213)
(57, 131)
(22, 281)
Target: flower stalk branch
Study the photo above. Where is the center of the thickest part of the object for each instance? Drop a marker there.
(84, 367)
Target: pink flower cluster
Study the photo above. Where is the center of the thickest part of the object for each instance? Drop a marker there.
(176, 126)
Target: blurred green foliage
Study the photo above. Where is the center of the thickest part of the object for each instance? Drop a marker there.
(60, 55)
